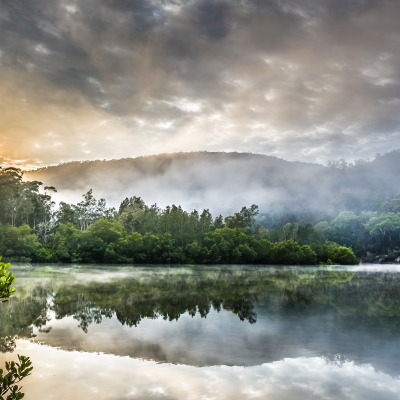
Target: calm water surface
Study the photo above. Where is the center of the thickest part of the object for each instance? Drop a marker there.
(245, 332)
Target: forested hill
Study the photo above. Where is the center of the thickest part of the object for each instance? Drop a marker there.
(224, 182)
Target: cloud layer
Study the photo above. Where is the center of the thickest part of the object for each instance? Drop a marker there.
(94, 79)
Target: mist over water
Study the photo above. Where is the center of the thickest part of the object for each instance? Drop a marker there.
(207, 332)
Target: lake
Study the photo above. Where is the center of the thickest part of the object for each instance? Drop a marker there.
(206, 332)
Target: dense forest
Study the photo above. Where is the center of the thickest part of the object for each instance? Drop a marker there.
(32, 229)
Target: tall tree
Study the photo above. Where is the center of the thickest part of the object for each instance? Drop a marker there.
(245, 218)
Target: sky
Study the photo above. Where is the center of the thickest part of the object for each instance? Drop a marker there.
(307, 80)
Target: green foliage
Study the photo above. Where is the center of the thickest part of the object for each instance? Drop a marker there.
(89, 232)
(291, 252)
(333, 253)
(384, 224)
(245, 219)
(44, 255)
(136, 216)
(108, 231)
(342, 255)
(15, 372)
(229, 245)
(30, 229)
(18, 243)
(181, 237)
(6, 280)
(66, 214)
(87, 211)
(66, 243)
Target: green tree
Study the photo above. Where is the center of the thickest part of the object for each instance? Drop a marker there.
(90, 210)
(6, 280)
(392, 205)
(194, 252)
(347, 229)
(291, 252)
(108, 231)
(161, 249)
(10, 194)
(230, 245)
(66, 214)
(264, 251)
(131, 246)
(66, 243)
(18, 243)
(136, 216)
(245, 219)
(341, 254)
(16, 371)
(385, 228)
(333, 253)
(205, 222)
(91, 248)
(176, 222)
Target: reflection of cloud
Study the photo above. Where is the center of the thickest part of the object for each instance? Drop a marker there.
(290, 323)
(222, 339)
(71, 375)
(188, 341)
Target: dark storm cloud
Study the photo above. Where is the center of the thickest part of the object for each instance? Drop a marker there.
(34, 40)
(91, 41)
(203, 74)
(212, 18)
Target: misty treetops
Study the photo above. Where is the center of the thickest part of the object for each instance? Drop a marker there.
(34, 229)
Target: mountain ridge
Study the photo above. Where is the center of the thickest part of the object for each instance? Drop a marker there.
(224, 182)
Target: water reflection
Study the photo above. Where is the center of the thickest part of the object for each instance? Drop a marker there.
(19, 317)
(71, 375)
(211, 316)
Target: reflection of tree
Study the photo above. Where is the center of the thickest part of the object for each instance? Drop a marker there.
(81, 309)
(7, 344)
(243, 308)
(18, 316)
(366, 299)
(168, 296)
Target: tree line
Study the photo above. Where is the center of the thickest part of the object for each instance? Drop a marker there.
(33, 229)
(374, 236)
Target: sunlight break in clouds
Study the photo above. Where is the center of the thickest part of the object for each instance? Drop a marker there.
(303, 80)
